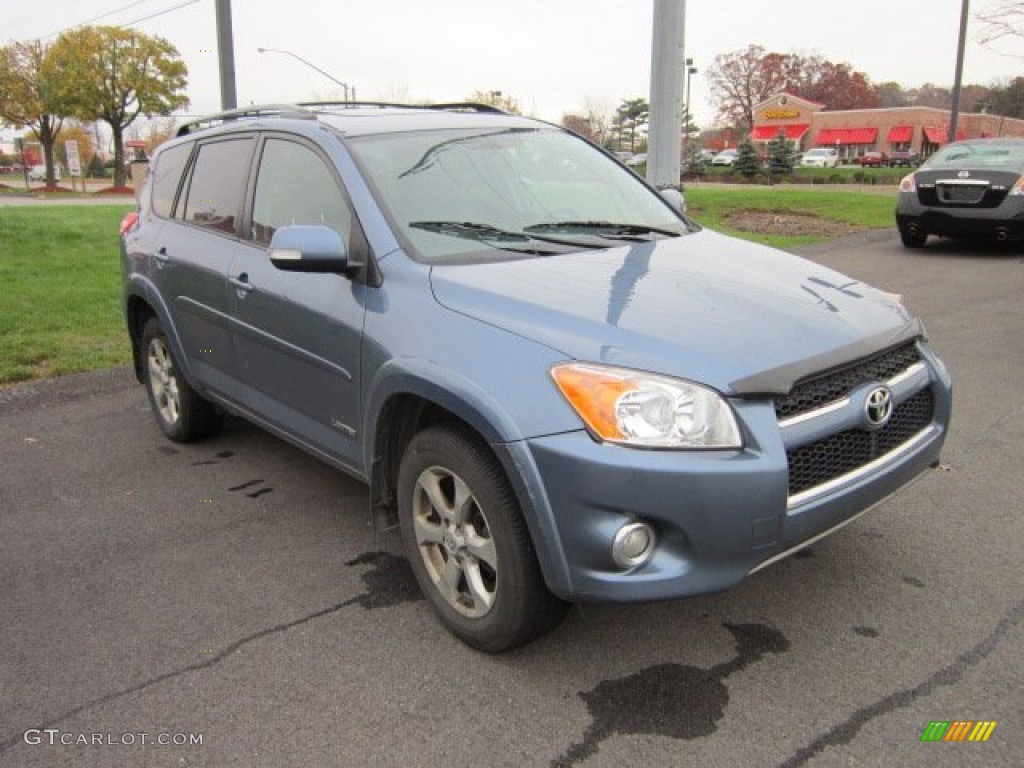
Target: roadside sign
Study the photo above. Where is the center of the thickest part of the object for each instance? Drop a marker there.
(74, 164)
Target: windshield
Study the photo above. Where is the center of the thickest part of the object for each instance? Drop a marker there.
(816, 152)
(480, 193)
(1009, 156)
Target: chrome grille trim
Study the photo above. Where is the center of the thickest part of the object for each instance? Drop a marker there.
(898, 452)
(895, 383)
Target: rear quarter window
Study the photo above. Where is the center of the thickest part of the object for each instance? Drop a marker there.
(167, 170)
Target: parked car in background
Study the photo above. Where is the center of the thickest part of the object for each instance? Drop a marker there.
(906, 158)
(969, 189)
(820, 157)
(873, 160)
(725, 157)
(557, 387)
(38, 173)
(640, 158)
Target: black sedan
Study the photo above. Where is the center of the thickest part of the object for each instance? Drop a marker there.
(969, 189)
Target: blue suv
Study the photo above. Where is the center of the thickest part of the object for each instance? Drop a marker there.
(556, 385)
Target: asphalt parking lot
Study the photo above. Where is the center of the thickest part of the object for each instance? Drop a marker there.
(234, 592)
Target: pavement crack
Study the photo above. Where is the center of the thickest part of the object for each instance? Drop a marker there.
(389, 582)
(211, 661)
(844, 732)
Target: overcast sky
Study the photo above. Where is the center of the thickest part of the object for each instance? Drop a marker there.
(553, 56)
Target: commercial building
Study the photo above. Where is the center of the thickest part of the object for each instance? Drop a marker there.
(856, 131)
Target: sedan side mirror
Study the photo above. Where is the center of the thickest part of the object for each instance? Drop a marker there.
(308, 248)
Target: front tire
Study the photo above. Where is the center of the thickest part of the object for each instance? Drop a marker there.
(468, 544)
(180, 412)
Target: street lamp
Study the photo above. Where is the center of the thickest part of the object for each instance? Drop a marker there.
(311, 65)
(690, 72)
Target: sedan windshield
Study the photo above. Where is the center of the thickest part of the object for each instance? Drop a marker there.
(481, 193)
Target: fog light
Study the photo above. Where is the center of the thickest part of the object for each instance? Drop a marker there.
(633, 545)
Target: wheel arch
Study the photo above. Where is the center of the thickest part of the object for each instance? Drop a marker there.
(408, 402)
(141, 302)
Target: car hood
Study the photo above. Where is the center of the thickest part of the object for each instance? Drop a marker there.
(704, 307)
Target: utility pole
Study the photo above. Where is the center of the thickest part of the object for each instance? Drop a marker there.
(226, 55)
(666, 94)
(958, 77)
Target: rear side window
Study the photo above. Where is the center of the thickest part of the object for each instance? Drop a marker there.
(217, 188)
(166, 177)
(295, 186)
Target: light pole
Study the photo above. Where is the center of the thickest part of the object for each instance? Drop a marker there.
(311, 65)
(690, 72)
(954, 114)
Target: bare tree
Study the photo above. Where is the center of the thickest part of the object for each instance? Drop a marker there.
(1001, 19)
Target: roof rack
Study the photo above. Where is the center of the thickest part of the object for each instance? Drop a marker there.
(307, 110)
(218, 118)
(466, 106)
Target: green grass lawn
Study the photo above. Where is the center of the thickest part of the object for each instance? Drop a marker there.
(709, 207)
(60, 271)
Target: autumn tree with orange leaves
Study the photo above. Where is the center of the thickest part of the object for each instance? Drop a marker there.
(743, 79)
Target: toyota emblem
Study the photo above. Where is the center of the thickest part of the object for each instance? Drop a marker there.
(878, 407)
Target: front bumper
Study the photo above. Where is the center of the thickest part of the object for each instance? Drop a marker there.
(718, 516)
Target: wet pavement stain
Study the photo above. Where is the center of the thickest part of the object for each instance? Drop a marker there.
(221, 455)
(249, 484)
(388, 583)
(674, 700)
(866, 631)
(914, 582)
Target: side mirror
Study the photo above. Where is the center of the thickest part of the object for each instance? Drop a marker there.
(308, 248)
(675, 199)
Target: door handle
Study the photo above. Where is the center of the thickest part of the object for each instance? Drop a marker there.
(241, 283)
(161, 255)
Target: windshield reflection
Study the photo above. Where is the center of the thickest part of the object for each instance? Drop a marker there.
(439, 186)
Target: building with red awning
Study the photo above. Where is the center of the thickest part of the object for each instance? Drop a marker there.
(853, 132)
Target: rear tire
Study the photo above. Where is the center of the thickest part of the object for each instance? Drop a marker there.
(180, 412)
(468, 544)
(913, 238)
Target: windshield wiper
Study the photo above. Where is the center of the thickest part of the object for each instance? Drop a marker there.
(609, 230)
(491, 235)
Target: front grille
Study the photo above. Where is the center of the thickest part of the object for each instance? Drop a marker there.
(818, 463)
(821, 389)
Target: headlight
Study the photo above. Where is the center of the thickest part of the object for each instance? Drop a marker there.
(908, 183)
(645, 410)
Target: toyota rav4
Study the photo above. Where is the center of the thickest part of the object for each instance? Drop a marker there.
(556, 386)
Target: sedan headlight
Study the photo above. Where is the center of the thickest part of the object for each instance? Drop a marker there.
(645, 410)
